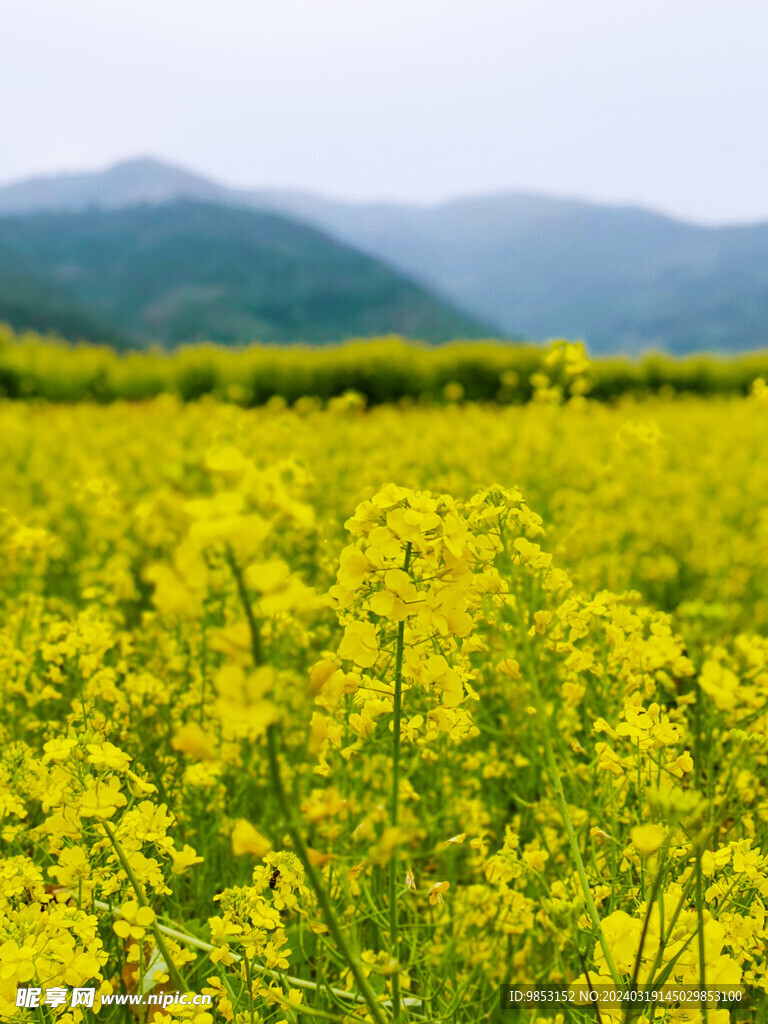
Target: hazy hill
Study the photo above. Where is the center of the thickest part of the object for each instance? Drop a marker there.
(623, 278)
(31, 302)
(183, 271)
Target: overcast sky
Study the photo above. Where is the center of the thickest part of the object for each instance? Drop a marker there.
(660, 102)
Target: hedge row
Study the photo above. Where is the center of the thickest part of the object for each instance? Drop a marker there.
(381, 369)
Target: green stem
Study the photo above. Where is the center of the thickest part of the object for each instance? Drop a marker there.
(173, 970)
(663, 940)
(700, 916)
(207, 947)
(316, 881)
(700, 850)
(644, 933)
(249, 983)
(276, 779)
(557, 785)
(257, 651)
(394, 863)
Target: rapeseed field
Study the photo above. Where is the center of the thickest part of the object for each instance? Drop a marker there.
(341, 714)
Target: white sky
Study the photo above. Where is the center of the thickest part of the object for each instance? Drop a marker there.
(661, 102)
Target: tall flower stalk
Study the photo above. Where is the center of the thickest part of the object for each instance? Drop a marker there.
(394, 864)
(409, 593)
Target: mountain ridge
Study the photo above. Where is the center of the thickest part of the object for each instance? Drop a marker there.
(88, 188)
(182, 271)
(625, 278)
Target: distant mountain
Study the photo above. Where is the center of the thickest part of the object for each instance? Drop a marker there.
(183, 271)
(623, 278)
(29, 301)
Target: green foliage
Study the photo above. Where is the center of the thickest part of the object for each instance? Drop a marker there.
(387, 369)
